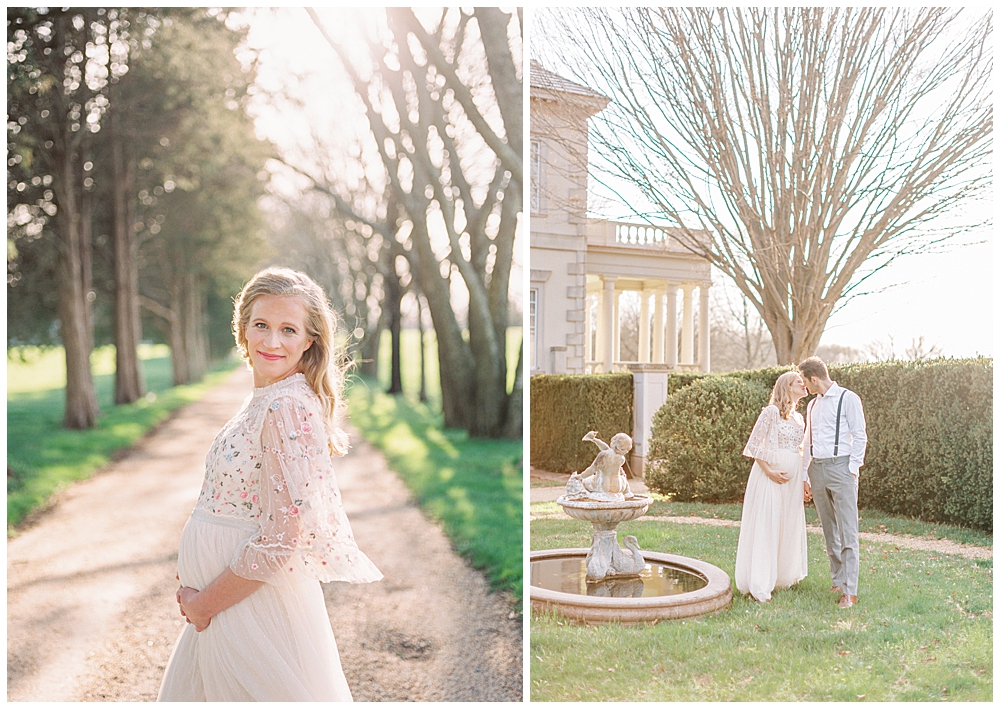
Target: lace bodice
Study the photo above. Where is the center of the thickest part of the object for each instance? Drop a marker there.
(772, 433)
(271, 465)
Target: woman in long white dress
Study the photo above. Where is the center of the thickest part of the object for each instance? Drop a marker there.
(269, 524)
(772, 549)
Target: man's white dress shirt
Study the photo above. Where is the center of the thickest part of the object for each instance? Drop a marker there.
(821, 423)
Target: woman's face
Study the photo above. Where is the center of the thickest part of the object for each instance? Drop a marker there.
(798, 387)
(276, 337)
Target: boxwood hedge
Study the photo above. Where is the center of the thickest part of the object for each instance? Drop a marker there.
(565, 407)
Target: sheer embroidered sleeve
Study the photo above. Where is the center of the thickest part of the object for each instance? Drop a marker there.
(303, 527)
(759, 446)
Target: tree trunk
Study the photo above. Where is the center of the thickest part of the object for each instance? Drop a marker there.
(455, 362)
(193, 317)
(423, 350)
(392, 303)
(128, 325)
(81, 397)
(178, 345)
(490, 395)
(514, 426)
(368, 351)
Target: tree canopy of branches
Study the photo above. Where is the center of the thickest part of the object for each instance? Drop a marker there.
(444, 108)
(129, 154)
(798, 149)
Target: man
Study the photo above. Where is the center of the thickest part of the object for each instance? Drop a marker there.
(835, 442)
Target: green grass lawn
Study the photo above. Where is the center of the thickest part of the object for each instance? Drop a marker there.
(923, 630)
(472, 486)
(42, 457)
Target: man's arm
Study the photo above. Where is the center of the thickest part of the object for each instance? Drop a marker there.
(806, 455)
(855, 415)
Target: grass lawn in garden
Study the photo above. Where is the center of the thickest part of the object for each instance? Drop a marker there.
(923, 629)
(42, 457)
(472, 486)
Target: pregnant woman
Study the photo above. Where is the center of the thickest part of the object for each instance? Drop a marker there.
(269, 524)
(772, 549)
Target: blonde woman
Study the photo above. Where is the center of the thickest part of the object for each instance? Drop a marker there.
(269, 524)
(772, 549)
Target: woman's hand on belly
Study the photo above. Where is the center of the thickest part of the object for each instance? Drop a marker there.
(186, 597)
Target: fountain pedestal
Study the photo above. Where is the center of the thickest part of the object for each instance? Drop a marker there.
(606, 558)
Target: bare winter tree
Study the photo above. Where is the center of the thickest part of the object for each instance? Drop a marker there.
(444, 108)
(798, 149)
(740, 339)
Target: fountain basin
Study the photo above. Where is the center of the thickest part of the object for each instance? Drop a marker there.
(586, 606)
(600, 512)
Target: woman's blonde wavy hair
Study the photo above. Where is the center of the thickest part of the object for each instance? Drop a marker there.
(325, 363)
(781, 395)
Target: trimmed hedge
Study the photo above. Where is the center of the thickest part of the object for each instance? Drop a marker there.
(564, 407)
(930, 437)
(702, 426)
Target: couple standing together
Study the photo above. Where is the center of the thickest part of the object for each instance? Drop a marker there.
(796, 460)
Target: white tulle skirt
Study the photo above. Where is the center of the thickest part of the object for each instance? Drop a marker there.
(274, 646)
(772, 549)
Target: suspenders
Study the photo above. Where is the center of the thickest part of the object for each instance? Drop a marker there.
(836, 436)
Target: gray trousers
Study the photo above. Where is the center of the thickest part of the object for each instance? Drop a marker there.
(836, 496)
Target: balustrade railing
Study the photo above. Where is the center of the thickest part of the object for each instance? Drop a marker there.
(594, 367)
(641, 234)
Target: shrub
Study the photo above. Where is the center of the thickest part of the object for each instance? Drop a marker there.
(565, 407)
(930, 437)
(698, 435)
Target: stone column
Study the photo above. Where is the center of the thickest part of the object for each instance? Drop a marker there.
(658, 326)
(687, 326)
(618, 327)
(671, 344)
(607, 328)
(587, 332)
(599, 331)
(650, 387)
(644, 327)
(704, 353)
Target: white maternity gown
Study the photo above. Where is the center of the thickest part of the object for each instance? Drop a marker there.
(269, 510)
(772, 549)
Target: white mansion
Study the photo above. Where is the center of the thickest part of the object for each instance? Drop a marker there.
(580, 268)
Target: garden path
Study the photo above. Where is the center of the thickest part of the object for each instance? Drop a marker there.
(91, 614)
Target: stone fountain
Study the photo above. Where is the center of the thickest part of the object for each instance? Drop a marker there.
(607, 583)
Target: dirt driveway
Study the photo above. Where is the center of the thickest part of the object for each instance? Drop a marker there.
(90, 608)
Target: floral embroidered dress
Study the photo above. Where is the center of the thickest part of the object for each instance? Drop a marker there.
(772, 548)
(269, 510)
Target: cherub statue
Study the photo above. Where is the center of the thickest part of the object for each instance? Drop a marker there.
(604, 478)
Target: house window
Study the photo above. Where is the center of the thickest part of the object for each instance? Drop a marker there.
(536, 176)
(533, 329)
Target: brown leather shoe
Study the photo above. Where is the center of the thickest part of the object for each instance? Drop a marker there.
(847, 601)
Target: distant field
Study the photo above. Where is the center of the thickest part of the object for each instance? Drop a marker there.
(410, 362)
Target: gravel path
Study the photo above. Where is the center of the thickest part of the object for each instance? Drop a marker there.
(943, 546)
(90, 608)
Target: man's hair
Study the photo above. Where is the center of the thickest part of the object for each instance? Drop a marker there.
(814, 367)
